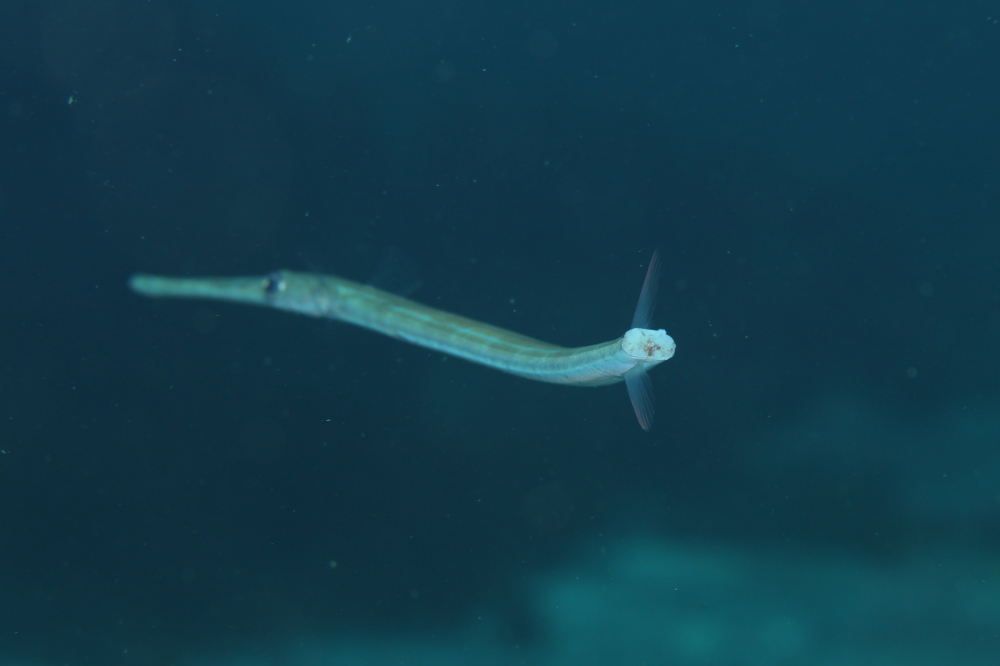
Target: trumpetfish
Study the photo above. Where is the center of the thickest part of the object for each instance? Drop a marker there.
(627, 358)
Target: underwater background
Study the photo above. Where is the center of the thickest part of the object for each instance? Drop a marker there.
(187, 482)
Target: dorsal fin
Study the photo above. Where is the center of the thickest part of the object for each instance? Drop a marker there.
(643, 317)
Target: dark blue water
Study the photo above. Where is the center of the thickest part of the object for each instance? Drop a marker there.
(183, 478)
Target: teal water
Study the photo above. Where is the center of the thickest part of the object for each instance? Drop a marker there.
(188, 482)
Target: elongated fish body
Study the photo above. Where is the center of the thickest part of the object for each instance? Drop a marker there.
(327, 296)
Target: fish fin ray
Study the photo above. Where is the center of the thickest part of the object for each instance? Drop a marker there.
(643, 316)
(640, 392)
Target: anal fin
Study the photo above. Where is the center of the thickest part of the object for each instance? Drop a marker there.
(640, 392)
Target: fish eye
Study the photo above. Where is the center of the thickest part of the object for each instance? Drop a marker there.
(274, 283)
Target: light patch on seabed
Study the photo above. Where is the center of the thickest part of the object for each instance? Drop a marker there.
(644, 601)
(661, 601)
(654, 602)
